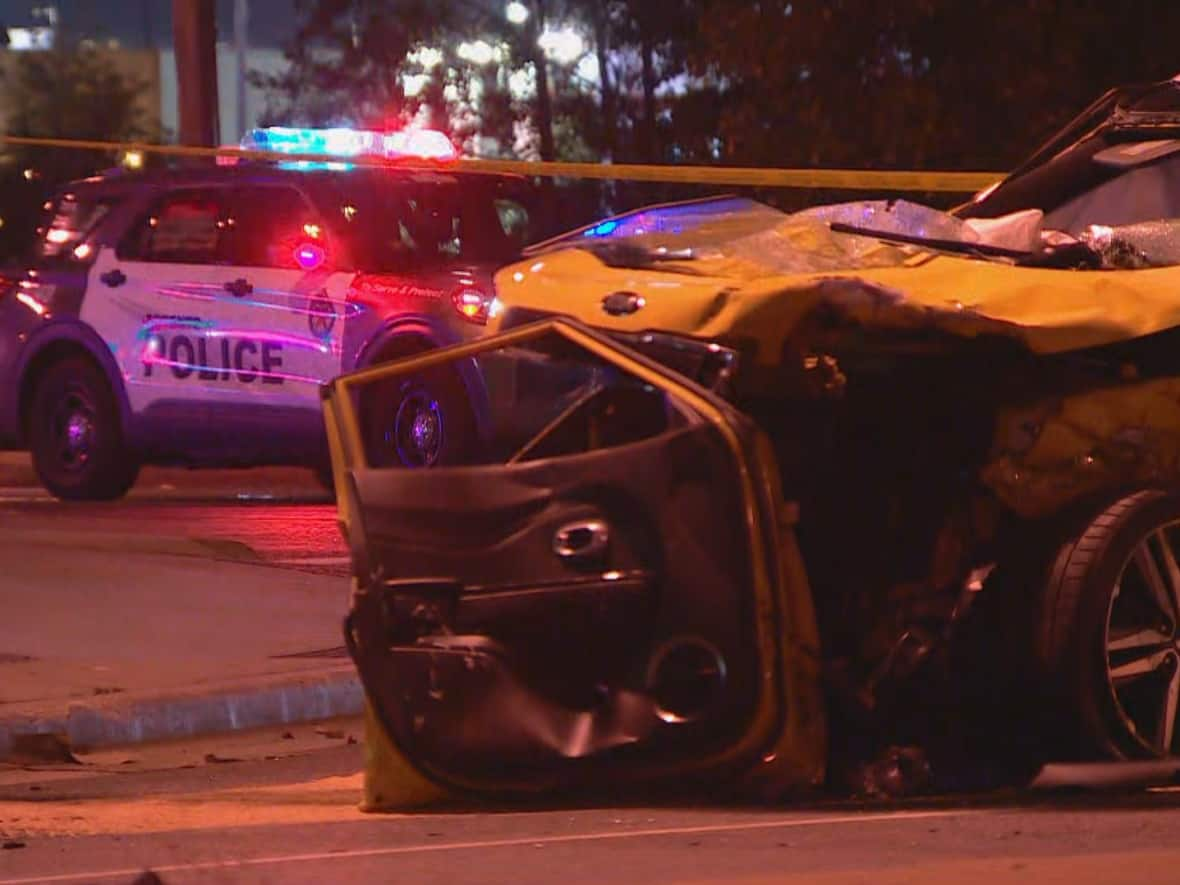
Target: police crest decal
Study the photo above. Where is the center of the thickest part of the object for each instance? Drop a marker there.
(321, 315)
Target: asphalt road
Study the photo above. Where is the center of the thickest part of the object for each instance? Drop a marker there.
(261, 808)
(268, 808)
(282, 516)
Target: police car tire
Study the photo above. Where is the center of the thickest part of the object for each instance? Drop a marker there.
(111, 470)
(380, 401)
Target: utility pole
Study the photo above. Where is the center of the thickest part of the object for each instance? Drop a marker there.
(194, 32)
(241, 45)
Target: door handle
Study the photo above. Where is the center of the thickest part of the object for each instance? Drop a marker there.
(114, 277)
(585, 539)
(239, 287)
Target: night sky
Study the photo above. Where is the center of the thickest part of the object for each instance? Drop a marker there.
(149, 22)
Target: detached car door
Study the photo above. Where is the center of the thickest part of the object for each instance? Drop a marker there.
(608, 595)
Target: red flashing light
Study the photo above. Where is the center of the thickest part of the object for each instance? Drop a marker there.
(429, 144)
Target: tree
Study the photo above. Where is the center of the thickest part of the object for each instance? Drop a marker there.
(350, 58)
(918, 83)
(75, 92)
(913, 84)
(347, 58)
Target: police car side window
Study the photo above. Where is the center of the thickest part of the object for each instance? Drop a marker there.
(68, 221)
(186, 227)
(269, 223)
(514, 221)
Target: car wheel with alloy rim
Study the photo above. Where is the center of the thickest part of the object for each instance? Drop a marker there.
(75, 434)
(424, 420)
(1109, 635)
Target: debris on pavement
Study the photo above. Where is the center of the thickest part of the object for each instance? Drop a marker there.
(214, 759)
(896, 773)
(40, 748)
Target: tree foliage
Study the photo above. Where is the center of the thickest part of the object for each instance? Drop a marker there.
(909, 83)
(919, 83)
(350, 58)
(72, 92)
(76, 92)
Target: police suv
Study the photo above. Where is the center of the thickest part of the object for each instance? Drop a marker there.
(189, 317)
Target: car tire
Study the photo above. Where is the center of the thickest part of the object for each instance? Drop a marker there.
(419, 420)
(1106, 637)
(75, 434)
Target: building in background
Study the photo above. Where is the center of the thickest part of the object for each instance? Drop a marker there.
(235, 116)
(137, 37)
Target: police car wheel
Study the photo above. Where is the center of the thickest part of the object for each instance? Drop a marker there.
(423, 421)
(75, 435)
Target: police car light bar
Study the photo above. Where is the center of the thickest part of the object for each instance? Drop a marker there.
(427, 144)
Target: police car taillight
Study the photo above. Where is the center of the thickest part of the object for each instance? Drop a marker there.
(472, 304)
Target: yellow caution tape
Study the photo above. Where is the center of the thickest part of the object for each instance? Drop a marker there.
(725, 176)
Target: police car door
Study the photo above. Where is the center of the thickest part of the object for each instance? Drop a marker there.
(160, 298)
(197, 315)
(290, 291)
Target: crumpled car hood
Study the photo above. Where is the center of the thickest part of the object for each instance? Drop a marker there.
(759, 279)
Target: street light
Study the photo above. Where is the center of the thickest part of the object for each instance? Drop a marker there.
(478, 53)
(516, 12)
(565, 46)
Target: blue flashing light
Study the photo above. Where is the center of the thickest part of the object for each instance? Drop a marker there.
(331, 142)
(342, 142)
(604, 229)
(316, 166)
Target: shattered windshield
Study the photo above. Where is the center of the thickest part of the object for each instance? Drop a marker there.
(865, 234)
(750, 232)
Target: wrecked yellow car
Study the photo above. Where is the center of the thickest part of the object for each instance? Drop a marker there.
(759, 496)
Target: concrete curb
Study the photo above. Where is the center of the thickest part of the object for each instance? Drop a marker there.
(133, 720)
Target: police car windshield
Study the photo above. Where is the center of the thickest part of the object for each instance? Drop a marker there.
(400, 225)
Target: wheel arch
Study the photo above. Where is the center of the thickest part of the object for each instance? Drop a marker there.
(410, 336)
(398, 340)
(62, 342)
